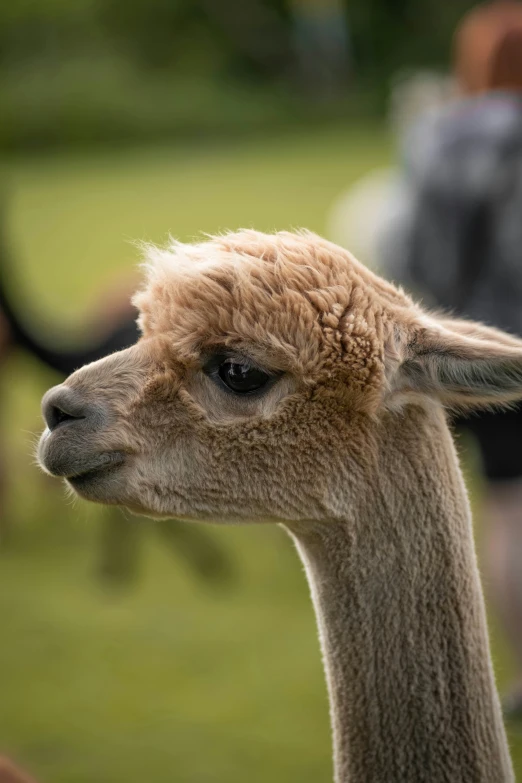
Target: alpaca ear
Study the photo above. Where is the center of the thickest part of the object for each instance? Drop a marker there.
(464, 364)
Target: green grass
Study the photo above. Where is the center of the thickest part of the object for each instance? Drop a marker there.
(173, 679)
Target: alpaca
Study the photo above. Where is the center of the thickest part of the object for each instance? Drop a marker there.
(279, 380)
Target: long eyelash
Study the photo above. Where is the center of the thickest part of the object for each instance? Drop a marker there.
(212, 363)
(211, 368)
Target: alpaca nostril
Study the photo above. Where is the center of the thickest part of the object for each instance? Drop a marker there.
(62, 404)
(56, 416)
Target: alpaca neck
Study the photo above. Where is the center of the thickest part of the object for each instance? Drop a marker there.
(402, 624)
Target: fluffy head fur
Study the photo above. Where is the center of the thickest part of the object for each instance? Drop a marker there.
(344, 348)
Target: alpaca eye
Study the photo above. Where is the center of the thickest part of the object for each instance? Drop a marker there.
(242, 377)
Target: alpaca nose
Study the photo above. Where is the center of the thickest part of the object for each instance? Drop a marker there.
(62, 404)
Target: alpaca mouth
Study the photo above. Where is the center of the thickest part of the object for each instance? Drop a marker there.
(100, 483)
(111, 462)
(72, 461)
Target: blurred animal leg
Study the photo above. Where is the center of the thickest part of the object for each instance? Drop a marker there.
(4, 350)
(119, 547)
(199, 549)
(4, 524)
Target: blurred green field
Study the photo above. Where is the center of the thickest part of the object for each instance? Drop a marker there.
(172, 679)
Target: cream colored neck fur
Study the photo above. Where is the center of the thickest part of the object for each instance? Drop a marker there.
(402, 624)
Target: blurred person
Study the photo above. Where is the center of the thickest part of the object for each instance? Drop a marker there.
(376, 199)
(455, 237)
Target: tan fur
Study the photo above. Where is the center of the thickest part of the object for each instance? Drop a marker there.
(348, 448)
(9, 773)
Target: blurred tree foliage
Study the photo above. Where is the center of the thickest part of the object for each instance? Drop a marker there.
(392, 34)
(80, 71)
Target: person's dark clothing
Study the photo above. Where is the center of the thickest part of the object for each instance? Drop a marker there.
(460, 245)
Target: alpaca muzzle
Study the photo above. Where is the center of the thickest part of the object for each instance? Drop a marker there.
(72, 445)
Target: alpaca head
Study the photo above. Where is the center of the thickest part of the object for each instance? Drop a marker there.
(260, 389)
